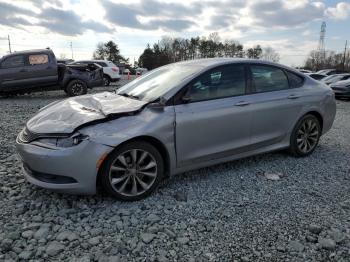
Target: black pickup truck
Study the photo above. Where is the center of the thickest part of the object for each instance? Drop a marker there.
(37, 70)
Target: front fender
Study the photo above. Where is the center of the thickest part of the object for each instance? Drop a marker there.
(154, 123)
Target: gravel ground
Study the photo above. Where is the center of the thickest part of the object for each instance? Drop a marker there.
(271, 207)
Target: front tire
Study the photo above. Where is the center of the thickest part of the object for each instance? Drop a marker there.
(76, 88)
(305, 136)
(133, 171)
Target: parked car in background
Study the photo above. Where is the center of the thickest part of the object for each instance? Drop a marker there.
(305, 71)
(316, 76)
(341, 89)
(126, 71)
(335, 78)
(38, 70)
(329, 72)
(65, 61)
(176, 118)
(141, 71)
(110, 70)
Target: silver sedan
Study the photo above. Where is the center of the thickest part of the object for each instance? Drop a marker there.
(176, 118)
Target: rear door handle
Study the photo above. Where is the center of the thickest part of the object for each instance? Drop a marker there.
(242, 103)
(23, 70)
(293, 96)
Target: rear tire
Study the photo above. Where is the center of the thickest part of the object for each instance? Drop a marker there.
(106, 80)
(133, 171)
(305, 136)
(76, 88)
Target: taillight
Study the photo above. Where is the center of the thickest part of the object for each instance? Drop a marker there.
(115, 69)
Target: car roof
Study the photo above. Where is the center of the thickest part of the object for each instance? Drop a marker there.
(342, 74)
(315, 74)
(91, 60)
(327, 69)
(212, 62)
(33, 51)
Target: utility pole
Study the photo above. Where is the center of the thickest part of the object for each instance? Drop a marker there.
(8, 37)
(71, 48)
(346, 44)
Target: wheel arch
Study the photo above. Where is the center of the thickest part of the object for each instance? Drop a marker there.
(107, 75)
(68, 81)
(144, 138)
(318, 116)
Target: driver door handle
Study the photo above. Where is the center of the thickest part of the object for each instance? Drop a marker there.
(293, 96)
(242, 103)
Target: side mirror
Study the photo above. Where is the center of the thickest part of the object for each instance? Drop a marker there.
(186, 99)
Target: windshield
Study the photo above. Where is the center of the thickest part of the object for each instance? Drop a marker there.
(157, 82)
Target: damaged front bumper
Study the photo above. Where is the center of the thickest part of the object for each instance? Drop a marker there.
(70, 170)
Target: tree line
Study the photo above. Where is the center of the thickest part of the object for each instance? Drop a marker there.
(169, 50)
(329, 59)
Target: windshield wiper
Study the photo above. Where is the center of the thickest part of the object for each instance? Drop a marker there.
(129, 96)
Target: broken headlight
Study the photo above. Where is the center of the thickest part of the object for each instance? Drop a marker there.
(73, 140)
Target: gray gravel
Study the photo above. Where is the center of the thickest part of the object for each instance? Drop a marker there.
(238, 211)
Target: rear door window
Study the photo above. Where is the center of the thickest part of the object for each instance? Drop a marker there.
(268, 78)
(13, 62)
(111, 64)
(38, 59)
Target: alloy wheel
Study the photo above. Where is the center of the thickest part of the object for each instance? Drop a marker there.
(133, 172)
(308, 135)
(77, 88)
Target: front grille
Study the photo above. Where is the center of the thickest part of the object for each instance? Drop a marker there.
(26, 136)
(49, 178)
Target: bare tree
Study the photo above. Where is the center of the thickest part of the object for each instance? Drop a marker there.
(270, 54)
(331, 59)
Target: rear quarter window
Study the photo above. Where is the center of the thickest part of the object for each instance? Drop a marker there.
(111, 64)
(294, 80)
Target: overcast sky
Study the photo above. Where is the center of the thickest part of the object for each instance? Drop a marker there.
(290, 26)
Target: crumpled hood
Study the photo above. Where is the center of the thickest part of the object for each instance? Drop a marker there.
(65, 116)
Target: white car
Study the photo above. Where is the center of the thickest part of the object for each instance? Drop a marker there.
(110, 70)
(141, 71)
